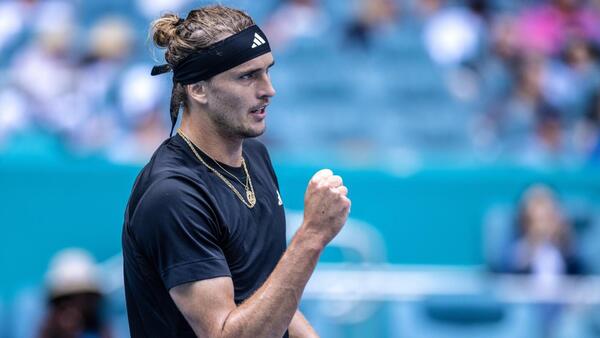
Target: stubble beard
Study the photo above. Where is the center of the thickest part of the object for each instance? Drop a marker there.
(224, 116)
(228, 127)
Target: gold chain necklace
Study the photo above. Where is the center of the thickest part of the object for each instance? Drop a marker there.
(230, 174)
(248, 186)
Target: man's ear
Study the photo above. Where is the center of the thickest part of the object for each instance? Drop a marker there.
(197, 92)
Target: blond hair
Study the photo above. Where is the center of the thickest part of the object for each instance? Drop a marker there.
(201, 28)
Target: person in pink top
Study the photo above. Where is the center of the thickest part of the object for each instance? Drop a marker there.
(547, 28)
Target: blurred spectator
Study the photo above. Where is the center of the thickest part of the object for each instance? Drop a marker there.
(74, 298)
(524, 124)
(545, 249)
(548, 143)
(498, 65)
(18, 17)
(373, 16)
(548, 28)
(44, 73)
(454, 34)
(587, 132)
(139, 97)
(572, 78)
(12, 21)
(455, 38)
(294, 19)
(110, 43)
(544, 246)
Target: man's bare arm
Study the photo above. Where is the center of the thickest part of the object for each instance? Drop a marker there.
(301, 328)
(209, 306)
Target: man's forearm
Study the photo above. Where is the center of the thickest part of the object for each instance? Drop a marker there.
(301, 328)
(269, 311)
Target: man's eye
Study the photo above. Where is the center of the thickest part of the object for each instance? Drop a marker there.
(247, 76)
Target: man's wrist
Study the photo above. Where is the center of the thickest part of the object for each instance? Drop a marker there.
(310, 240)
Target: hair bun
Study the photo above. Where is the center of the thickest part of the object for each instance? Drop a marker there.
(164, 29)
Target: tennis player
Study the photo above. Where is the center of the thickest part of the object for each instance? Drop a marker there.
(204, 233)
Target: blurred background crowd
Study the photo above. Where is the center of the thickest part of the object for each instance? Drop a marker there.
(469, 129)
(471, 80)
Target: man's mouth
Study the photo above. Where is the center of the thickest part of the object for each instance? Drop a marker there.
(259, 110)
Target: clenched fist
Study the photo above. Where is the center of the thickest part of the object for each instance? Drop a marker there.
(326, 206)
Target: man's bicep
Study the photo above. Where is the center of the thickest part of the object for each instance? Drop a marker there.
(205, 304)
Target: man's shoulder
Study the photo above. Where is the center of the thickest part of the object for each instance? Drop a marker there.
(166, 179)
(169, 162)
(166, 200)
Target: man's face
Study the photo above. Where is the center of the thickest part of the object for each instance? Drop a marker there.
(237, 99)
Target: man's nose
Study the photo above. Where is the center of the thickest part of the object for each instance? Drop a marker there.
(266, 89)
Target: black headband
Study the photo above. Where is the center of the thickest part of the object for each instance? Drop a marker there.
(218, 57)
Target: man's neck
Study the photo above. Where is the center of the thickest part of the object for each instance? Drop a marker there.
(219, 147)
